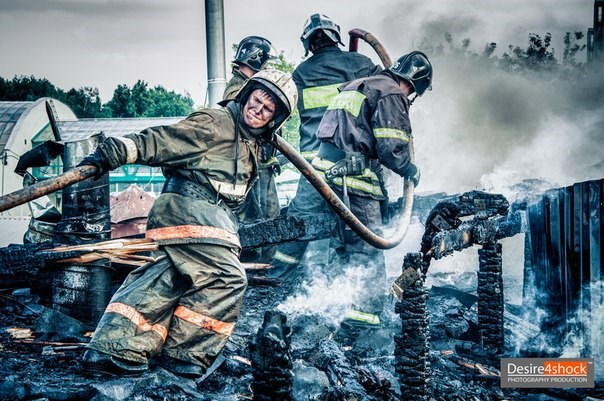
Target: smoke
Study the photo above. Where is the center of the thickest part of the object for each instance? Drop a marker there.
(484, 127)
(332, 290)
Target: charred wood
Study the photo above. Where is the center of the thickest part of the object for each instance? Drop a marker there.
(343, 378)
(490, 298)
(412, 347)
(271, 359)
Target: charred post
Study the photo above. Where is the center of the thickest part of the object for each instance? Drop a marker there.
(412, 346)
(271, 359)
(490, 298)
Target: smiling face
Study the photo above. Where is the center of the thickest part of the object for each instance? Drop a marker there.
(259, 109)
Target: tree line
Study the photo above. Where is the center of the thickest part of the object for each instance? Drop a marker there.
(137, 101)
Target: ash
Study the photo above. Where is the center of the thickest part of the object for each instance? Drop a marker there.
(41, 350)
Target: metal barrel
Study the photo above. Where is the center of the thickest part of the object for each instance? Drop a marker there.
(83, 290)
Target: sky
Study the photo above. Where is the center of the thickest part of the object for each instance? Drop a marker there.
(476, 129)
(103, 43)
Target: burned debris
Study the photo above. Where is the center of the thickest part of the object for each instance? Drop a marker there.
(445, 343)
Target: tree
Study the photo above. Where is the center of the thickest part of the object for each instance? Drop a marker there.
(537, 57)
(120, 104)
(164, 103)
(30, 88)
(86, 103)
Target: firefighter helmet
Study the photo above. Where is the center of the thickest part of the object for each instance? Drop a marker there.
(416, 69)
(320, 23)
(253, 51)
(280, 86)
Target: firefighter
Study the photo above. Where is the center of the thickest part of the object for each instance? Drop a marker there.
(183, 307)
(263, 200)
(317, 80)
(366, 126)
(252, 54)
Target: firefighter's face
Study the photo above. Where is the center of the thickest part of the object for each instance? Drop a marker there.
(259, 109)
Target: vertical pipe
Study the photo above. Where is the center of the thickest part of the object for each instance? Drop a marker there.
(83, 290)
(215, 51)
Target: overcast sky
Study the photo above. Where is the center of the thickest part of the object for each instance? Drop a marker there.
(103, 43)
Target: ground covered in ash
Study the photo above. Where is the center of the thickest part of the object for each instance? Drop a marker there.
(40, 353)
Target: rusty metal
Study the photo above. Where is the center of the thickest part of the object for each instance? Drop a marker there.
(46, 187)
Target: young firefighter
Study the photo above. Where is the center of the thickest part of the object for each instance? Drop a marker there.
(182, 308)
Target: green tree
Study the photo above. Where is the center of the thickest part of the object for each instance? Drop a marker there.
(30, 88)
(121, 104)
(140, 98)
(86, 103)
(164, 103)
(536, 57)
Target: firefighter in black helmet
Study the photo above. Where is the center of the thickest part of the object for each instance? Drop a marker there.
(263, 200)
(317, 80)
(369, 119)
(252, 53)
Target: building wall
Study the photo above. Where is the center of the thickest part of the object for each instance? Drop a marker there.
(29, 125)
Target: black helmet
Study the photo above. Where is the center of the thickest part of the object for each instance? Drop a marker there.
(320, 22)
(253, 51)
(416, 69)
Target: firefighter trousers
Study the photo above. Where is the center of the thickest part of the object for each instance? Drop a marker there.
(306, 203)
(185, 306)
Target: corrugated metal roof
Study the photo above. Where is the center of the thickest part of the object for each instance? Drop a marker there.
(12, 230)
(83, 128)
(10, 112)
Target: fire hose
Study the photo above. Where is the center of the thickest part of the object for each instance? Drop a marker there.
(81, 173)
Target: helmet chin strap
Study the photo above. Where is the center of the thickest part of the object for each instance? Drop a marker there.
(413, 100)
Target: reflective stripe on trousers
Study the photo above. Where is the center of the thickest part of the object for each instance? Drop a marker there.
(196, 291)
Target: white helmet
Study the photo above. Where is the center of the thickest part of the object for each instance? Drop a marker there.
(280, 86)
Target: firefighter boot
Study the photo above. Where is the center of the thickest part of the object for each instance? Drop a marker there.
(181, 368)
(97, 363)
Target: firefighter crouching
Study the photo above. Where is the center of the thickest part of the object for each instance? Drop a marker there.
(182, 308)
(366, 126)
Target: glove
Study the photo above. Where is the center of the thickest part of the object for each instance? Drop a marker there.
(97, 159)
(413, 174)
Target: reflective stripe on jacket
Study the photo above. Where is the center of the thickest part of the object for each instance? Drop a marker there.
(370, 115)
(317, 80)
(366, 184)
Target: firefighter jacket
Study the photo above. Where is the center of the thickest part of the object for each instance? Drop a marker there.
(317, 80)
(234, 84)
(371, 116)
(212, 148)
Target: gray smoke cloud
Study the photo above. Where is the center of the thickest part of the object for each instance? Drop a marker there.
(485, 127)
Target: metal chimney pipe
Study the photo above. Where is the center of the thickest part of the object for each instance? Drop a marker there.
(215, 51)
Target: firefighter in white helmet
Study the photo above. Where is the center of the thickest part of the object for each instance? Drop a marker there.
(182, 308)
